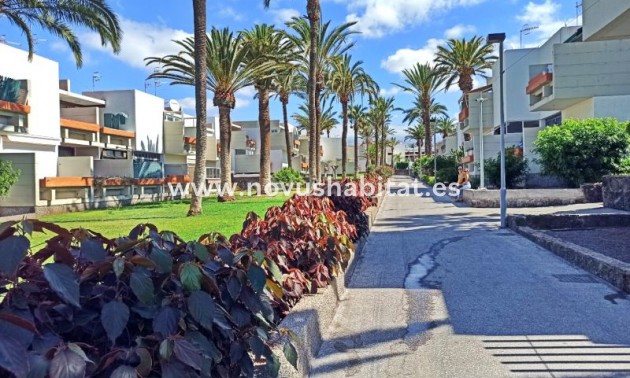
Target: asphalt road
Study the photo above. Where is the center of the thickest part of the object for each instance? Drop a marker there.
(440, 291)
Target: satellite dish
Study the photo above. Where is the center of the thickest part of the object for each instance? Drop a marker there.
(172, 105)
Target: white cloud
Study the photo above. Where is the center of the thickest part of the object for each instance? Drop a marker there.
(459, 31)
(377, 18)
(389, 91)
(140, 41)
(229, 12)
(406, 58)
(283, 15)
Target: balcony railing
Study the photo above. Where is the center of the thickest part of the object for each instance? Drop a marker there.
(538, 82)
(464, 114)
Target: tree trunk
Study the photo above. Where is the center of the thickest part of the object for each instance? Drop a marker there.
(287, 134)
(199, 176)
(344, 138)
(368, 158)
(318, 136)
(225, 136)
(383, 145)
(376, 147)
(264, 123)
(426, 121)
(356, 151)
(313, 12)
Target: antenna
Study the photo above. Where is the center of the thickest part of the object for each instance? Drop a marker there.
(578, 5)
(525, 30)
(96, 77)
(156, 83)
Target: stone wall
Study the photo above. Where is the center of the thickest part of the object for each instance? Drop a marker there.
(616, 192)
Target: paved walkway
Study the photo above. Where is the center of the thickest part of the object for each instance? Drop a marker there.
(440, 291)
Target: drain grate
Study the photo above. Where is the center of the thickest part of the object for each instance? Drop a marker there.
(576, 278)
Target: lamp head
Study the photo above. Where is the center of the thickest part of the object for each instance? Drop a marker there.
(496, 37)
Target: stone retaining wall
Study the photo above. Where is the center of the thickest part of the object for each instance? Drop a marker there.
(616, 192)
(524, 197)
(311, 316)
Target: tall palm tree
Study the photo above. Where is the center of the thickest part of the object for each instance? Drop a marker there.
(265, 44)
(329, 45)
(380, 115)
(416, 133)
(226, 57)
(201, 85)
(357, 114)
(286, 83)
(388, 142)
(313, 11)
(423, 80)
(346, 79)
(56, 16)
(461, 59)
(366, 132)
(445, 126)
(328, 120)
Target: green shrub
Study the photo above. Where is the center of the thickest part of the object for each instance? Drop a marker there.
(516, 168)
(8, 177)
(582, 151)
(624, 166)
(475, 181)
(429, 180)
(402, 165)
(288, 176)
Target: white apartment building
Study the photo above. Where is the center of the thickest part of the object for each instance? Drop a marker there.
(579, 72)
(246, 151)
(29, 125)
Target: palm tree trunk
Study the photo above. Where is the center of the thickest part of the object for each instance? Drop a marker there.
(344, 138)
(376, 144)
(199, 176)
(287, 135)
(383, 145)
(356, 151)
(313, 12)
(264, 123)
(225, 135)
(318, 136)
(426, 121)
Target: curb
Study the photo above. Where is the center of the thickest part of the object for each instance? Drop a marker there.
(310, 317)
(611, 270)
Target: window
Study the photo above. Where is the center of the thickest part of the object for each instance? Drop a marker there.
(66, 151)
(15, 122)
(555, 119)
(113, 154)
(531, 124)
(514, 127)
(114, 120)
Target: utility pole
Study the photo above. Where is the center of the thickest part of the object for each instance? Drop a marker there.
(578, 5)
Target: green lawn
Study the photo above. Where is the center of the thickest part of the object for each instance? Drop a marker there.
(226, 218)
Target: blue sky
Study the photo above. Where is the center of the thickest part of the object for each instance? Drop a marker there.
(395, 34)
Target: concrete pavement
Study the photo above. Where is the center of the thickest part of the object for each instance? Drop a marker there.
(440, 291)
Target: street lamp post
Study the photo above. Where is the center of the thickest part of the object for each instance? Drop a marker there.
(482, 172)
(500, 38)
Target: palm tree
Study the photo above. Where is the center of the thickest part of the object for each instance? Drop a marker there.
(286, 83)
(328, 120)
(201, 77)
(344, 81)
(388, 142)
(423, 80)
(226, 57)
(56, 16)
(380, 115)
(462, 59)
(265, 44)
(313, 12)
(329, 45)
(366, 131)
(357, 114)
(416, 133)
(445, 126)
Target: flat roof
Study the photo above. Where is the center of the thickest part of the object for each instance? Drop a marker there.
(79, 99)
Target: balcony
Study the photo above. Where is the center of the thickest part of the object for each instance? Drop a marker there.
(468, 159)
(463, 115)
(79, 133)
(539, 81)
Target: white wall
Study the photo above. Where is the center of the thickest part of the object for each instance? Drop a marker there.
(145, 113)
(603, 19)
(75, 166)
(581, 110)
(612, 106)
(113, 168)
